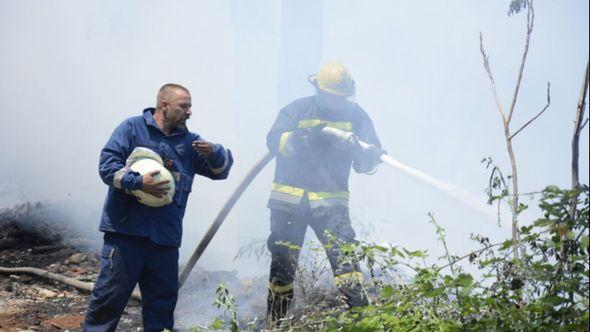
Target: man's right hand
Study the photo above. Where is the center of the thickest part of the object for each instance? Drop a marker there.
(152, 186)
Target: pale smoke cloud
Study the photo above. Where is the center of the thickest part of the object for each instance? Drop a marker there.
(71, 71)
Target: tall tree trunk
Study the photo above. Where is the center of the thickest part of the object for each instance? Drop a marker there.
(514, 200)
(578, 125)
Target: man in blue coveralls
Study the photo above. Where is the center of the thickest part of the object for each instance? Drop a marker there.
(141, 242)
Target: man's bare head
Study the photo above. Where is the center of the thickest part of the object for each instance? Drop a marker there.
(173, 106)
(168, 91)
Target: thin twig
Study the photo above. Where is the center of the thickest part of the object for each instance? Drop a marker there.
(298, 327)
(502, 259)
(530, 193)
(584, 124)
(539, 114)
(469, 254)
(482, 249)
(530, 18)
(581, 233)
(486, 64)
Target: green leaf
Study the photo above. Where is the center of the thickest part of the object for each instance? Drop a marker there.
(387, 291)
(506, 244)
(464, 279)
(554, 300)
(542, 222)
(217, 324)
(552, 189)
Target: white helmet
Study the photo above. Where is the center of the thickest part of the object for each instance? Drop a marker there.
(143, 161)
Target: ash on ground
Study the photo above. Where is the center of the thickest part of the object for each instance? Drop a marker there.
(45, 236)
(42, 235)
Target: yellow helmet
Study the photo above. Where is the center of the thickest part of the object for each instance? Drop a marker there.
(334, 78)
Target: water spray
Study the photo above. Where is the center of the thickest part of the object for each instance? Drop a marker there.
(456, 192)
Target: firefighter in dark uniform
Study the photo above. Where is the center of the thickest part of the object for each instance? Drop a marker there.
(310, 185)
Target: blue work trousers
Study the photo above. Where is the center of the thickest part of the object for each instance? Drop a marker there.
(125, 261)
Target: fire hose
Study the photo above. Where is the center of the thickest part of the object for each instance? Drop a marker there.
(227, 207)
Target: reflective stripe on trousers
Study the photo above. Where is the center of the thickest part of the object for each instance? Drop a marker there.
(349, 278)
(280, 289)
(293, 195)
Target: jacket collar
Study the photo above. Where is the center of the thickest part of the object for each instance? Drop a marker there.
(333, 104)
(148, 116)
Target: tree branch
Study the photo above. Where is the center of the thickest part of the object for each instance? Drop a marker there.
(56, 277)
(507, 118)
(530, 18)
(584, 124)
(486, 65)
(539, 114)
(475, 252)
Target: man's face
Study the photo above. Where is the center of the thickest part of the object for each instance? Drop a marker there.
(178, 108)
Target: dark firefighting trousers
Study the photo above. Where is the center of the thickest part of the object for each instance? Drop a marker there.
(125, 261)
(290, 227)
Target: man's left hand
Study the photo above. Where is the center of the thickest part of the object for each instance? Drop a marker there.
(205, 148)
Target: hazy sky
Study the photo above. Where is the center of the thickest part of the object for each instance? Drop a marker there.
(71, 71)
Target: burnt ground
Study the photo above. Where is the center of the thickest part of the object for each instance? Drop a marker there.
(29, 237)
(39, 236)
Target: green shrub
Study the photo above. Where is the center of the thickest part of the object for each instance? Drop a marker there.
(545, 290)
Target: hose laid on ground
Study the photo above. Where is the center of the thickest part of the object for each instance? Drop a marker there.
(56, 277)
(221, 217)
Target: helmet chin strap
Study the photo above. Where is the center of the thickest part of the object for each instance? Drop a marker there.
(313, 80)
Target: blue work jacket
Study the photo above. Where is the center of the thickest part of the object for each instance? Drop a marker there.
(122, 213)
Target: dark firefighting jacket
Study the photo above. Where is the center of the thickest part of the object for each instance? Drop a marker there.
(320, 170)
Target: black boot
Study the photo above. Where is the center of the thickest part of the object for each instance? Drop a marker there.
(350, 285)
(354, 294)
(277, 306)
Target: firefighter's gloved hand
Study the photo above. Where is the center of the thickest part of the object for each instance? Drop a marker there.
(369, 155)
(373, 154)
(367, 159)
(307, 138)
(352, 144)
(314, 134)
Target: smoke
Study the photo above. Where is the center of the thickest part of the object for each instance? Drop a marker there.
(72, 71)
